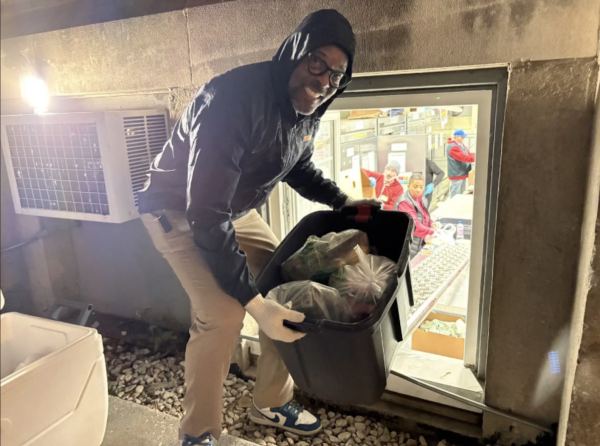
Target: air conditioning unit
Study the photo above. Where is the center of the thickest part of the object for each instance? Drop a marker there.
(82, 166)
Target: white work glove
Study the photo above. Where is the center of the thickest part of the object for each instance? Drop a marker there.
(270, 316)
(369, 201)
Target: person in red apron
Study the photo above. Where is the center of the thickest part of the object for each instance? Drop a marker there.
(387, 187)
(415, 204)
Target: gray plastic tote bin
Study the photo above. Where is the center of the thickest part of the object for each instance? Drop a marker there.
(349, 363)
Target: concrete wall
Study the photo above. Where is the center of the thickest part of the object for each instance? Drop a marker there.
(122, 273)
(583, 423)
(163, 58)
(187, 48)
(14, 279)
(579, 421)
(546, 154)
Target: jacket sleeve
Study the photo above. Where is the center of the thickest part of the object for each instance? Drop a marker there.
(375, 175)
(439, 173)
(216, 135)
(309, 182)
(459, 155)
(420, 229)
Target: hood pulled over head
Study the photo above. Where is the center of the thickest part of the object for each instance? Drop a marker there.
(318, 29)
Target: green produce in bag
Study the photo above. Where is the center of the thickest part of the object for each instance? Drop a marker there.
(321, 256)
(314, 300)
(363, 283)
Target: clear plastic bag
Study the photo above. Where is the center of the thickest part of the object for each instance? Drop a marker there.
(364, 283)
(314, 300)
(321, 256)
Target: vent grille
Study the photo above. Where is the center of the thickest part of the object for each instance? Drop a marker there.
(145, 137)
(58, 167)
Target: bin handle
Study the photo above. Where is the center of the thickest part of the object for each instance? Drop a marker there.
(405, 262)
(411, 297)
(309, 326)
(405, 266)
(362, 213)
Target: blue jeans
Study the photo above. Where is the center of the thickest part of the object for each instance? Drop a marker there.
(457, 187)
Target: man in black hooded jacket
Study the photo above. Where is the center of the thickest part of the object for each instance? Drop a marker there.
(244, 132)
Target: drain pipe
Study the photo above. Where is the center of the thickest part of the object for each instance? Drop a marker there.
(38, 236)
(469, 402)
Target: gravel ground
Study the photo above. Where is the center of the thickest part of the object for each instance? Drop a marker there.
(140, 376)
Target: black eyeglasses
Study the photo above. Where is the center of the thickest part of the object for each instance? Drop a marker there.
(318, 67)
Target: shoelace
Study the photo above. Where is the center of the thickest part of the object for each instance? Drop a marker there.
(292, 409)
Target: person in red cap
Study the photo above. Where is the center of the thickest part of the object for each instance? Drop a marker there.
(459, 162)
(387, 187)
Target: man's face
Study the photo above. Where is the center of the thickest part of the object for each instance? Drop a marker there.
(458, 139)
(390, 174)
(307, 91)
(416, 188)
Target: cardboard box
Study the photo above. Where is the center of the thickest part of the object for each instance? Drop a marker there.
(351, 183)
(439, 344)
(368, 191)
(471, 178)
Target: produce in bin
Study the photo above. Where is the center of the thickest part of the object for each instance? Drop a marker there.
(321, 256)
(457, 329)
(314, 300)
(363, 284)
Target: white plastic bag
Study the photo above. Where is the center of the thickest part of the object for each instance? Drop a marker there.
(321, 256)
(363, 284)
(444, 235)
(314, 300)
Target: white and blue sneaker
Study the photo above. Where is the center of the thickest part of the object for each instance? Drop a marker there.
(203, 440)
(290, 417)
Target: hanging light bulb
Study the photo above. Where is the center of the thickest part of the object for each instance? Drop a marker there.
(35, 92)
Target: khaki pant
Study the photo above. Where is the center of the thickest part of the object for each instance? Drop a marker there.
(217, 321)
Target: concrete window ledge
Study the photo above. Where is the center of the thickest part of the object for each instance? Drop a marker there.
(134, 425)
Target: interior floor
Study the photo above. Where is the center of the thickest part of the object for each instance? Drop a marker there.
(457, 294)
